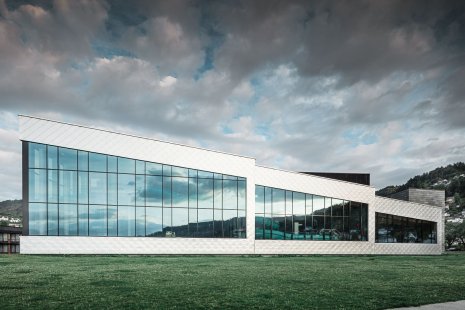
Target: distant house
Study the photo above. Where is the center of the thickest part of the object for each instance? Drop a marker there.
(9, 239)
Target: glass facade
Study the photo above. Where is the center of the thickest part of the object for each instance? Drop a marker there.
(288, 215)
(397, 229)
(78, 193)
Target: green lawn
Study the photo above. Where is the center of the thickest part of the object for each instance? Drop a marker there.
(318, 282)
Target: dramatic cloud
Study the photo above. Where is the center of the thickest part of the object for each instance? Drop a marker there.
(364, 86)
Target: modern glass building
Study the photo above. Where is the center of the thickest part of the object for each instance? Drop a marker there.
(87, 190)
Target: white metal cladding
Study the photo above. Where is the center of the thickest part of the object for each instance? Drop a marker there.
(100, 141)
(133, 245)
(311, 184)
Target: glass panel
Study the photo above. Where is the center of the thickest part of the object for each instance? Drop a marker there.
(97, 188)
(140, 191)
(37, 185)
(167, 222)
(67, 159)
(308, 204)
(167, 192)
(97, 220)
(317, 231)
(140, 167)
(205, 223)
(279, 205)
(241, 195)
(154, 190)
(153, 169)
(364, 225)
(288, 204)
(83, 161)
(68, 220)
(180, 222)
(154, 222)
(229, 177)
(126, 165)
(259, 226)
(268, 200)
(52, 157)
(83, 211)
(278, 227)
(193, 193)
(67, 187)
(192, 173)
(112, 221)
(298, 204)
(53, 186)
(337, 228)
(126, 221)
(217, 223)
(230, 195)
(180, 192)
(112, 164)
(298, 228)
(83, 187)
(112, 189)
(318, 205)
(37, 155)
(230, 223)
(97, 162)
(218, 194)
(205, 174)
(192, 222)
(167, 170)
(289, 228)
(179, 172)
(259, 199)
(140, 221)
(337, 207)
(37, 219)
(268, 223)
(52, 219)
(126, 189)
(205, 193)
(354, 221)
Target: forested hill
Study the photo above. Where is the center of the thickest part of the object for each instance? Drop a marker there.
(451, 178)
(11, 208)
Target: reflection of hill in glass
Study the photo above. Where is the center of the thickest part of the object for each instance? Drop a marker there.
(207, 229)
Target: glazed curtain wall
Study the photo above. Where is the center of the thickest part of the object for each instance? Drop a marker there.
(78, 193)
(398, 229)
(288, 215)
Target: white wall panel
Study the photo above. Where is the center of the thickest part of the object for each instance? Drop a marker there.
(300, 182)
(312, 247)
(101, 141)
(132, 245)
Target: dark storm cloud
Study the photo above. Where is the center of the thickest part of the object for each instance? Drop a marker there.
(301, 85)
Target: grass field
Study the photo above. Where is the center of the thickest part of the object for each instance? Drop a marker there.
(312, 282)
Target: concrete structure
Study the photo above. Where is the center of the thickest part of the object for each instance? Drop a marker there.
(92, 191)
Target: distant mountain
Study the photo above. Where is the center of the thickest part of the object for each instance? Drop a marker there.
(450, 178)
(12, 208)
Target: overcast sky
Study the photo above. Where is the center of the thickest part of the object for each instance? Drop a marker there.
(337, 86)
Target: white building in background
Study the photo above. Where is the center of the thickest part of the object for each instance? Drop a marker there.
(92, 191)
